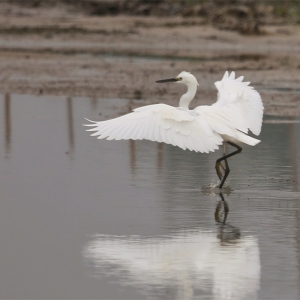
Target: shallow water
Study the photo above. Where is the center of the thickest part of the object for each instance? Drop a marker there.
(85, 218)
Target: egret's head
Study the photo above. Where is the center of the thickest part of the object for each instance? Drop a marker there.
(184, 77)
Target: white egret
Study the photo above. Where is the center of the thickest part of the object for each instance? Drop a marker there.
(203, 129)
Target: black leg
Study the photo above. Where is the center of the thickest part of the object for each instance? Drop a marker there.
(226, 170)
(219, 164)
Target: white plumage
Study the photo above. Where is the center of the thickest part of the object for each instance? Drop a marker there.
(239, 108)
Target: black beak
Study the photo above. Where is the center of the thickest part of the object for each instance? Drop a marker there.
(167, 80)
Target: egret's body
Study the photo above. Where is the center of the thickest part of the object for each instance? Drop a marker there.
(203, 129)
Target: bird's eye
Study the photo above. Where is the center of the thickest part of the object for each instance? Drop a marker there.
(180, 78)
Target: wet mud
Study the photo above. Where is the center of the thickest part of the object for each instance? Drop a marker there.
(54, 52)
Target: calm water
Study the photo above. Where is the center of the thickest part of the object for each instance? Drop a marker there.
(83, 218)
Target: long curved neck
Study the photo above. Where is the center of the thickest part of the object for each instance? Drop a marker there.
(188, 96)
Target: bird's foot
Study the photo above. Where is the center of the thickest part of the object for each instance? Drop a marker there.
(214, 188)
(225, 187)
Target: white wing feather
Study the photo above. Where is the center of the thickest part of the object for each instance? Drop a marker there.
(241, 102)
(239, 108)
(161, 123)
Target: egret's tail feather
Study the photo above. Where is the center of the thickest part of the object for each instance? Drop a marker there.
(246, 139)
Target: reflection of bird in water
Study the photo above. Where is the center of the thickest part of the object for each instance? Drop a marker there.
(186, 265)
(203, 129)
(227, 232)
(222, 210)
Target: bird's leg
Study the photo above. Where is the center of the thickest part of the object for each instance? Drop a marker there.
(227, 170)
(224, 153)
(219, 164)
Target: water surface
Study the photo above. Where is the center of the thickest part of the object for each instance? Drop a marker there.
(91, 219)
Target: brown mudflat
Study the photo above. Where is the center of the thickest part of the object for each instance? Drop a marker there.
(53, 51)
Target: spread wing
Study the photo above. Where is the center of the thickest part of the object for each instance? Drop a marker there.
(240, 101)
(160, 123)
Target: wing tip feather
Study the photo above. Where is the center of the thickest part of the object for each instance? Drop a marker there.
(94, 122)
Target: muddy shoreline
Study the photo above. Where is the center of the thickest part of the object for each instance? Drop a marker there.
(51, 52)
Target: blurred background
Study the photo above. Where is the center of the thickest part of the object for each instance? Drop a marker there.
(118, 48)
